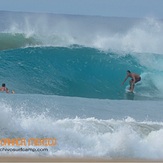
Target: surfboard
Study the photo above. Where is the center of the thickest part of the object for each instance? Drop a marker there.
(128, 91)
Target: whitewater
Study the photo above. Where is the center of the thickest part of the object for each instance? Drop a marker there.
(67, 72)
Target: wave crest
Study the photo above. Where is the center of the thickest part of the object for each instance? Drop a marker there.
(17, 40)
(117, 34)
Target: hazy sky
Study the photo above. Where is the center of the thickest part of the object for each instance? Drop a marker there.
(120, 8)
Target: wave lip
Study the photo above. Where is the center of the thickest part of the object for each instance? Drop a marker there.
(16, 40)
(118, 34)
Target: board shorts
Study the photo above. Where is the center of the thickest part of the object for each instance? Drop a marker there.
(137, 80)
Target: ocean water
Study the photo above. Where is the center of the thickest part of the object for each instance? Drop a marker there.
(67, 72)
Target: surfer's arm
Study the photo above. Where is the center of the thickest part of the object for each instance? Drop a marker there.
(7, 90)
(125, 80)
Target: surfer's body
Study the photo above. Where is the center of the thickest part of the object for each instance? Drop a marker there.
(134, 79)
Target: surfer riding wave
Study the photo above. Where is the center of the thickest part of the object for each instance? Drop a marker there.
(134, 79)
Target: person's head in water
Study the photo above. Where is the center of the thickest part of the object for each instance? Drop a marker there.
(128, 72)
(3, 88)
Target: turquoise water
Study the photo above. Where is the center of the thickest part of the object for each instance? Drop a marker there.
(78, 71)
(74, 71)
(67, 72)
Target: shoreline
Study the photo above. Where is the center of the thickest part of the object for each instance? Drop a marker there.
(62, 159)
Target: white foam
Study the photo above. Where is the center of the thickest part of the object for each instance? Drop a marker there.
(150, 85)
(143, 36)
(88, 136)
(92, 137)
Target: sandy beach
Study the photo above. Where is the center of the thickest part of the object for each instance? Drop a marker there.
(44, 159)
